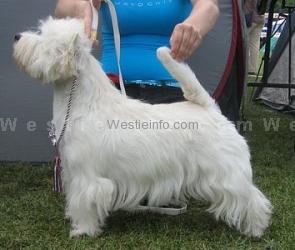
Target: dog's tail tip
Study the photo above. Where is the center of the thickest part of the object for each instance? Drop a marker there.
(163, 53)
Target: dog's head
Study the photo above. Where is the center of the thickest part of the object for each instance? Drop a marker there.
(54, 52)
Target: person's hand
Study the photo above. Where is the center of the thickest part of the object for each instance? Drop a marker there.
(79, 9)
(184, 40)
(88, 15)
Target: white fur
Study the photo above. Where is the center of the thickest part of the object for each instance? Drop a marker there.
(109, 169)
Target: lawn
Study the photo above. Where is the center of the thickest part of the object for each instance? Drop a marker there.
(32, 215)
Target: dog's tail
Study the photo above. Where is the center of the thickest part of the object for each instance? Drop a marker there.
(191, 87)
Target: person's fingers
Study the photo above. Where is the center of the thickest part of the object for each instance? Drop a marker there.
(88, 19)
(191, 40)
(190, 45)
(176, 40)
(195, 43)
(88, 15)
(198, 39)
(96, 44)
(185, 44)
(96, 3)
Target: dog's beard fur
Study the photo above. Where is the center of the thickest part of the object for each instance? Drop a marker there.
(107, 169)
(50, 54)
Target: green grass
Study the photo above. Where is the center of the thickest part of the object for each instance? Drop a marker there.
(31, 215)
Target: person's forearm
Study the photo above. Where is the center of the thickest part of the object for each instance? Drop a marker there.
(204, 15)
(79, 9)
(73, 8)
(66, 8)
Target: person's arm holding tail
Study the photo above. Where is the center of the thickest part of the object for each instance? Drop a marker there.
(77, 8)
(187, 36)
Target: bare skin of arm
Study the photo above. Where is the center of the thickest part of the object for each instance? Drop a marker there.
(186, 37)
(77, 8)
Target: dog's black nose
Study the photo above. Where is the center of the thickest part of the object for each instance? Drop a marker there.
(17, 37)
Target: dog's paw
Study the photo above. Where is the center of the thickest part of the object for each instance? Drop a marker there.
(80, 231)
(163, 54)
(67, 217)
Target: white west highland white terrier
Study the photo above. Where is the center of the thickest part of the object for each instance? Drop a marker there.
(106, 169)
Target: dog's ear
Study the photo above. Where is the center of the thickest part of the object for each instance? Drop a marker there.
(73, 51)
(68, 63)
(74, 44)
(65, 65)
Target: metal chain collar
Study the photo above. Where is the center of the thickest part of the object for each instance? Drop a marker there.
(52, 130)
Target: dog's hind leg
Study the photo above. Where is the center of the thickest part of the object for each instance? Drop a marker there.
(233, 197)
(88, 204)
(243, 207)
(190, 85)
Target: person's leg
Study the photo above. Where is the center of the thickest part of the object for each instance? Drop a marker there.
(254, 45)
(154, 94)
(132, 90)
(157, 95)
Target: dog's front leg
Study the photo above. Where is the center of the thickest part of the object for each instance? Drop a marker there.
(89, 201)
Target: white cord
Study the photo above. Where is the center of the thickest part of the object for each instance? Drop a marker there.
(116, 32)
(164, 210)
(94, 27)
